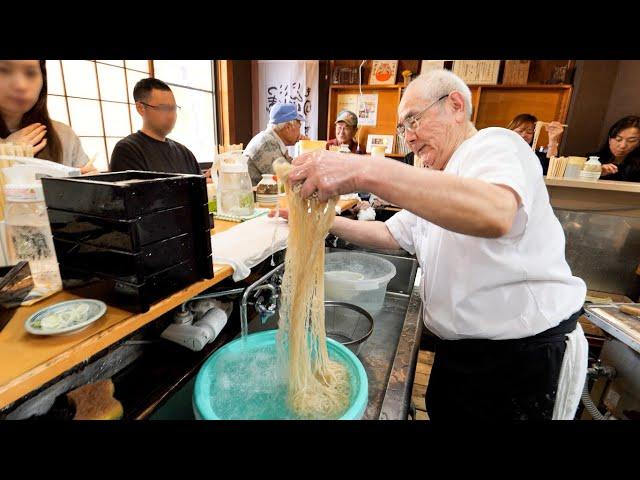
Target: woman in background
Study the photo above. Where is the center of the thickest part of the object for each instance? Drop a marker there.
(525, 126)
(24, 117)
(620, 151)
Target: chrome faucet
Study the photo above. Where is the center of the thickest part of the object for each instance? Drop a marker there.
(271, 281)
(269, 310)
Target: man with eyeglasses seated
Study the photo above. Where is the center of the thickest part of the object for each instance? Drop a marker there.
(149, 149)
(496, 287)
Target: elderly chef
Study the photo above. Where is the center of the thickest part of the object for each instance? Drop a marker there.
(496, 287)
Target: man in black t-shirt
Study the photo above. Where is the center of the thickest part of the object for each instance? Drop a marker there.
(149, 149)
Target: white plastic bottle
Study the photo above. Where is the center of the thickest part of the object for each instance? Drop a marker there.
(592, 170)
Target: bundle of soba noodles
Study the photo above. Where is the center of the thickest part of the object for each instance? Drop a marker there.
(318, 387)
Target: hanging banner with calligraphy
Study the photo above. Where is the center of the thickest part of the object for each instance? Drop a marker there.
(288, 81)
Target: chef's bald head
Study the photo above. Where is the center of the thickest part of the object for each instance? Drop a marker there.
(434, 84)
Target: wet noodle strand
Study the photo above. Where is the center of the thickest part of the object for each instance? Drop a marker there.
(318, 387)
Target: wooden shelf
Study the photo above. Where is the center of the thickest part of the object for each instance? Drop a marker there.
(387, 114)
(558, 86)
(536, 86)
(492, 106)
(497, 105)
(367, 87)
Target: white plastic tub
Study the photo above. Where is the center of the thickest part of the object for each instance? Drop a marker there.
(357, 278)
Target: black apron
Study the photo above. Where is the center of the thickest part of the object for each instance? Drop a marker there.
(479, 379)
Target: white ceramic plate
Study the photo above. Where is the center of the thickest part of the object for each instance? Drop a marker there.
(65, 317)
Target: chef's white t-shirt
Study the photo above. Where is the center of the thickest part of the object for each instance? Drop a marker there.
(514, 286)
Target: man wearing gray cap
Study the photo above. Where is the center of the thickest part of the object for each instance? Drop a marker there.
(283, 130)
(346, 128)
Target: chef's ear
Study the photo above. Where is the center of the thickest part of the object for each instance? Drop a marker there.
(140, 108)
(457, 102)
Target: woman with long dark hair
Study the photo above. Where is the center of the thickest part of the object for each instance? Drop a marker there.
(24, 117)
(620, 151)
(525, 125)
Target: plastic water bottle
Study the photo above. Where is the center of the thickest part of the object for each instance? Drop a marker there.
(28, 232)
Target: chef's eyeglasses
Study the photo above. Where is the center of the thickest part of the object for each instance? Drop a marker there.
(411, 123)
(163, 108)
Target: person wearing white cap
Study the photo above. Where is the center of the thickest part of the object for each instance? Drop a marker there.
(283, 131)
(346, 129)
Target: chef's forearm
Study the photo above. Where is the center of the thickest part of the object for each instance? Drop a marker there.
(364, 234)
(463, 205)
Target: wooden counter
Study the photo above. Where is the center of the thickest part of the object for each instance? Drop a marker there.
(610, 185)
(601, 222)
(27, 361)
(610, 196)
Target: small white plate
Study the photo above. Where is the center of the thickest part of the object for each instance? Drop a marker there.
(90, 311)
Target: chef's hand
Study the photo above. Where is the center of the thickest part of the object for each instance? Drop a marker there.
(609, 169)
(327, 173)
(33, 135)
(554, 130)
(284, 213)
